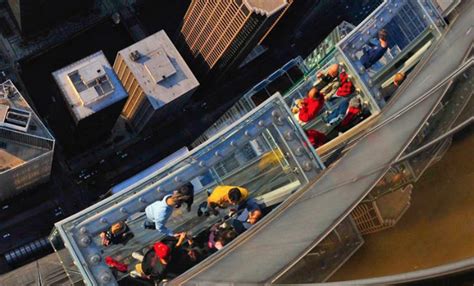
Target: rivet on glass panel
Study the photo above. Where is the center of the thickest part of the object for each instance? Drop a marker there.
(307, 166)
(202, 164)
(279, 121)
(105, 277)
(289, 135)
(276, 113)
(233, 144)
(177, 179)
(159, 189)
(218, 153)
(299, 151)
(94, 259)
(123, 210)
(85, 241)
(142, 200)
(103, 220)
(83, 230)
(378, 94)
(261, 123)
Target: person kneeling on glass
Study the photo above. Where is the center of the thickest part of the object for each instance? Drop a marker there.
(223, 197)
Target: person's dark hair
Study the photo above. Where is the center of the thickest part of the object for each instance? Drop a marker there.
(226, 236)
(179, 199)
(234, 195)
(383, 35)
(187, 190)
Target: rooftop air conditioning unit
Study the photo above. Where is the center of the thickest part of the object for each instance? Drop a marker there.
(135, 56)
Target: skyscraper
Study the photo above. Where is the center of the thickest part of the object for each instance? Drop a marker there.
(218, 36)
(26, 146)
(92, 93)
(157, 79)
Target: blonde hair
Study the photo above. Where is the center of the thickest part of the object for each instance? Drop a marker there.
(117, 227)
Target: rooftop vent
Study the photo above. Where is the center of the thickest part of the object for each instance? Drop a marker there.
(135, 56)
(14, 118)
(10, 91)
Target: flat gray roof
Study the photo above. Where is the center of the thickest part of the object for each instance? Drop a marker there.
(12, 152)
(160, 70)
(89, 85)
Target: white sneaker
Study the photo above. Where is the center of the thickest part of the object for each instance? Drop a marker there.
(138, 256)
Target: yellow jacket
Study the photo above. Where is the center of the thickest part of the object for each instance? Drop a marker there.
(220, 195)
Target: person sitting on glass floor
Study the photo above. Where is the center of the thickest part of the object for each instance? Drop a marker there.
(248, 214)
(325, 82)
(223, 197)
(154, 264)
(118, 233)
(218, 238)
(167, 258)
(158, 213)
(345, 109)
(390, 89)
(316, 138)
(345, 89)
(309, 107)
(374, 52)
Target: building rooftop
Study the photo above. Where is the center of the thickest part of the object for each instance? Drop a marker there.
(267, 7)
(159, 69)
(17, 117)
(89, 85)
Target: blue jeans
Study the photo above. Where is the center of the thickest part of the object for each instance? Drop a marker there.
(336, 115)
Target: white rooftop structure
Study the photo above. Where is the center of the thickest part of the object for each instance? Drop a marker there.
(159, 69)
(17, 119)
(89, 85)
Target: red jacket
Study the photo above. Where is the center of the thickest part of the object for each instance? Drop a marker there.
(351, 113)
(115, 264)
(311, 107)
(347, 87)
(316, 138)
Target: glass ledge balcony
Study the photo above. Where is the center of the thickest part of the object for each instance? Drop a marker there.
(412, 27)
(265, 151)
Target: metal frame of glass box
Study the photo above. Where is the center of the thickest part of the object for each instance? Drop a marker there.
(272, 120)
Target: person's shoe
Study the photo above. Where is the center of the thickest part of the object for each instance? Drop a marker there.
(138, 256)
(147, 226)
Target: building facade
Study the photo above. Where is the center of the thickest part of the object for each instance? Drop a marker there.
(26, 146)
(93, 95)
(157, 79)
(219, 36)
